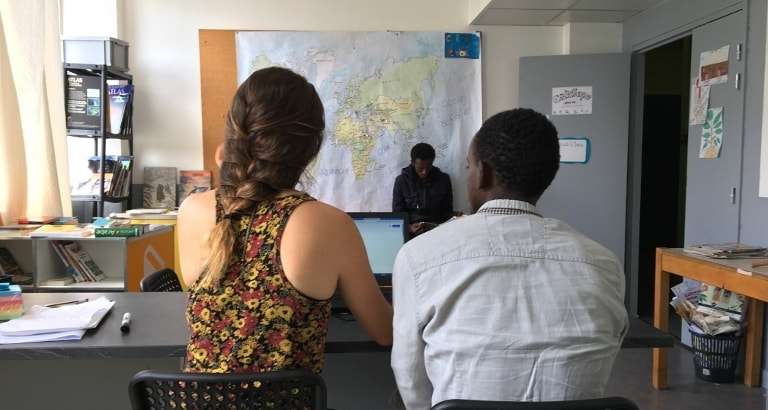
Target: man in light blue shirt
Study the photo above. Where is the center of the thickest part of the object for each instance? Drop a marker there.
(506, 304)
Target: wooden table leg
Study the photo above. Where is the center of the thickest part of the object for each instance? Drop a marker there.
(661, 322)
(754, 344)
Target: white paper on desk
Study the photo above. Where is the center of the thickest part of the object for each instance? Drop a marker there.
(43, 337)
(40, 319)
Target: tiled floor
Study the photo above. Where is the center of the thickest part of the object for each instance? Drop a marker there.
(632, 375)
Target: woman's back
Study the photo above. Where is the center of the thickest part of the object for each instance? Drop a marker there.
(256, 253)
(256, 320)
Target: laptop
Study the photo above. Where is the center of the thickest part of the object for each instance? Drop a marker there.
(384, 233)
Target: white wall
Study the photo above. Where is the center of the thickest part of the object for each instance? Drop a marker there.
(165, 58)
(100, 18)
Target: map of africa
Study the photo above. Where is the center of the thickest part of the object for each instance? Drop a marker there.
(383, 92)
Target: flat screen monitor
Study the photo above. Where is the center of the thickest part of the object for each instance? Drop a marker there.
(384, 233)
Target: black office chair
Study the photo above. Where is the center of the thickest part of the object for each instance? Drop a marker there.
(289, 389)
(609, 403)
(164, 280)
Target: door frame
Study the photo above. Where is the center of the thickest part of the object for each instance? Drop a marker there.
(635, 143)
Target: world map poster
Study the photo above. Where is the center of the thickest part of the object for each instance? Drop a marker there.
(383, 92)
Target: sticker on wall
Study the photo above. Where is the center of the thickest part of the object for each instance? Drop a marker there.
(575, 150)
(572, 100)
(462, 45)
(713, 66)
(712, 134)
(699, 103)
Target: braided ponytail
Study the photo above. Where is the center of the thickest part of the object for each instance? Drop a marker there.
(274, 129)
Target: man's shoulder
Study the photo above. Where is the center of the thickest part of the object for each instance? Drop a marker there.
(442, 244)
(573, 244)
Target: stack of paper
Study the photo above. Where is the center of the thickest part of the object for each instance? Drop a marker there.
(42, 324)
(728, 251)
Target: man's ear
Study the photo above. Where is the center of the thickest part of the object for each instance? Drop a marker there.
(486, 178)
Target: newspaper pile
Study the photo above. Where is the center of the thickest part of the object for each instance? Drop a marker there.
(708, 309)
(727, 251)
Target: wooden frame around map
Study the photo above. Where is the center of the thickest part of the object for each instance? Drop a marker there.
(218, 83)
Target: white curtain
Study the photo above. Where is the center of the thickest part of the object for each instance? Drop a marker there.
(33, 151)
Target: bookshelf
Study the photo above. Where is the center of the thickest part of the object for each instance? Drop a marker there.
(124, 261)
(100, 135)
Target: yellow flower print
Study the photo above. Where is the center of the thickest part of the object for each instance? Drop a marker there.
(199, 354)
(229, 291)
(205, 314)
(275, 280)
(239, 323)
(252, 284)
(223, 299)
(307, 333)
(285, 312)
(270, 313)
(285, 345)
(245, 351)
(252, 304)
(197, 326)
(223, 367)
(277, 358)
(224, 335)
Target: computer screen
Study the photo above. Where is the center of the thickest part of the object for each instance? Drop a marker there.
(383, 235)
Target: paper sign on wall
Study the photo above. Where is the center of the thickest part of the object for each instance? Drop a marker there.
(574, 150)
(712, 134)
(699, 103)
(713, 66)
(572, 100)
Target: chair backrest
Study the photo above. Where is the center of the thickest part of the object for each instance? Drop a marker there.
(288, 389)
(164, 280)
(608, 403)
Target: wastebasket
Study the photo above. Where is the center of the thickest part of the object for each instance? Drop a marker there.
(715, 357)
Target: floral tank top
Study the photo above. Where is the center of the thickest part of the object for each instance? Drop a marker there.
(256, 321)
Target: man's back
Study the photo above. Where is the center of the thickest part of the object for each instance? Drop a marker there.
(505, 307)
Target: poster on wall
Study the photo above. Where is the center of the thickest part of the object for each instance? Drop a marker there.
(699, 103)
(575, 100)
(713, 66)
(574, 150)
(712, 134)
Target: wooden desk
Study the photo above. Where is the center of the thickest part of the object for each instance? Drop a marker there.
(717, 272)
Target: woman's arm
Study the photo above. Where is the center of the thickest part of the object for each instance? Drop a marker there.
(321, 250)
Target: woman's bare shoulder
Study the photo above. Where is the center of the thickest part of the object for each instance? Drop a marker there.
(198, 204)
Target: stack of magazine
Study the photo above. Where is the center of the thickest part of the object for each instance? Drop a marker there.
(77, 261)
(728, 251)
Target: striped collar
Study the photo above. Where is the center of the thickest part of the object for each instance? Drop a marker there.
(508, 207)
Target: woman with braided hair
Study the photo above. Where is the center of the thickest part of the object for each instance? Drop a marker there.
(262, 259)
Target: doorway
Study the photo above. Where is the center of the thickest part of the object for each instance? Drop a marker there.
(666, 95)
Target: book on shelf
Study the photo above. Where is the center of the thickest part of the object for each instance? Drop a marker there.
(10, 271)
(36, 220)
(119, 229)
(117, 177)
(83, 102)
(191, 182)
(146, 218)
(159, 187)
(78, 263)
(62, 231)
(120, 96)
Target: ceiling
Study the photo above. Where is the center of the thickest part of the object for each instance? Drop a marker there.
(560, 12)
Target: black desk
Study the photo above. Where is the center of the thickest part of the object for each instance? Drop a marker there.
(158, 330)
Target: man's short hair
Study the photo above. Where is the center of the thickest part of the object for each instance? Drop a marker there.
(521, 146)
(422, 151)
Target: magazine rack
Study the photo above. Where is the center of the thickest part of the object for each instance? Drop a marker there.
(101, 134)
